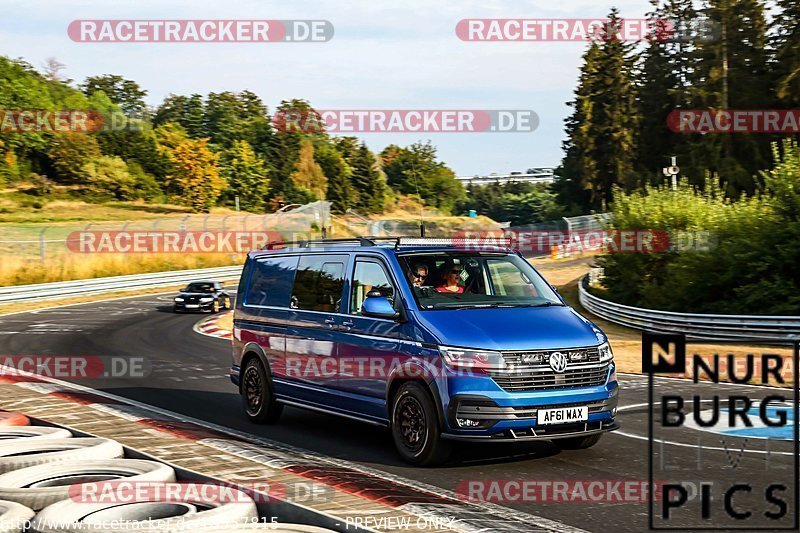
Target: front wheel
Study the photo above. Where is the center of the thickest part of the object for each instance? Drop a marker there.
(257, 394)
(578, 443)
(415, 427)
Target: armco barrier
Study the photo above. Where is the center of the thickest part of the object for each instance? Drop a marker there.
(693, 325)
(82, 287)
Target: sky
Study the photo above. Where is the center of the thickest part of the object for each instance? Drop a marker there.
(384, 55)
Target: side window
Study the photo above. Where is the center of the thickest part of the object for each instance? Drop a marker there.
(319, 283)
(271, 281)
(368, 276)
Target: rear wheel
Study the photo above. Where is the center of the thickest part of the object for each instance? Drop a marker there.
(257, 394)
(415, 427)
(578, 443)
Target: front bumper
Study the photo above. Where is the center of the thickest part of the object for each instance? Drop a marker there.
(490, 415)
(562, 431)
(201, 306)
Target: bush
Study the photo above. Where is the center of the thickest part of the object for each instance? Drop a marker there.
(750, 267)
(108, 177)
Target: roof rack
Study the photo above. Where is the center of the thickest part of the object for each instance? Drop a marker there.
(373, 241)
(307, 243)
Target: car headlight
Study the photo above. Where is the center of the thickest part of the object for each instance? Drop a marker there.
(178, 299)
(472, 359)
(207, 299)
(605, 352)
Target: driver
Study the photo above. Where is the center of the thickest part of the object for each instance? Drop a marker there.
(420, 275)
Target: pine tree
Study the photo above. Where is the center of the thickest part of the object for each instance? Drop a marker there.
(368, 180)
(732, 72)
(787, 53)
(600, 133)
(664, 67)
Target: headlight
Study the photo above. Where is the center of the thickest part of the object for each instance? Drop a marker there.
(206, 299)
(178, 299)
(473, 359)
(605, 352)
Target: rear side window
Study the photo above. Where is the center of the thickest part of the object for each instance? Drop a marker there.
(319, 282)
(271, 281)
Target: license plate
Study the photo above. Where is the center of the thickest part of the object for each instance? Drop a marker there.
(192, 306)
(562, 415)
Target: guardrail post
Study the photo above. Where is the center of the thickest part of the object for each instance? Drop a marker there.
(42, 245)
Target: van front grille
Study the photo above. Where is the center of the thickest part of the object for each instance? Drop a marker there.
(526, 371)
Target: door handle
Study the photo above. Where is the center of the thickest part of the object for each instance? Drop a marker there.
(348, 324)
(330, 322)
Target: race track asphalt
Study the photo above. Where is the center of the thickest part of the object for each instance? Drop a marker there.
(189, 376)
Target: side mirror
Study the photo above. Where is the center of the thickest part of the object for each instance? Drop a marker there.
(379, 307)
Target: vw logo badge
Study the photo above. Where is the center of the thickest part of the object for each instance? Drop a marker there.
(558, 362)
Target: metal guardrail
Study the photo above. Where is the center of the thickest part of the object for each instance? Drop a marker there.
(82, 287)
(693, 325)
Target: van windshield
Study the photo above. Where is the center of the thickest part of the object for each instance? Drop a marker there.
(455, 280)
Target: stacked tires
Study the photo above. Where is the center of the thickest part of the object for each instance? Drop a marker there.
(45, 472)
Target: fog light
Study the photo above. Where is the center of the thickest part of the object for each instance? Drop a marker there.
(467, 422)
(614, 412)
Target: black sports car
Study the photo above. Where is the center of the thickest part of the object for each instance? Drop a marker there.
(203, 296)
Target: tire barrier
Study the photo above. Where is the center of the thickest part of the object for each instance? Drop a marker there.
(44, 472)
(13, 516)
(39, 486)
(22, 453)
(186, 514)
(33, 432)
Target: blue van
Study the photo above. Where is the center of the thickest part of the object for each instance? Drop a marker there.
(438, 342)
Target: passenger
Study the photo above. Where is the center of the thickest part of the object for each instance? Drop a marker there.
(451, 275)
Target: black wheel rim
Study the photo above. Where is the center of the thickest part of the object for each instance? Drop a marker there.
(411, 424)
(253, 389)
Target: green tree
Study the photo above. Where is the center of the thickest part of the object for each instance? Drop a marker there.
(416, 170)
(127, 94)
(786, 43)
(368, 180)
(246, 175)
(341, 192)
(109, 177)
(68, 154)
(600, 147)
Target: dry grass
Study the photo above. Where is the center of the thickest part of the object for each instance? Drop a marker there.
(16, 271)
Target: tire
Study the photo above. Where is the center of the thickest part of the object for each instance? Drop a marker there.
(182, 515)
(13, 516)
(33, 433)
(22, 453)
(578, 443)
(42, 485)
(415, 427)
(215, 306)
(226, 303)
(8, 418)
(258, 395)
